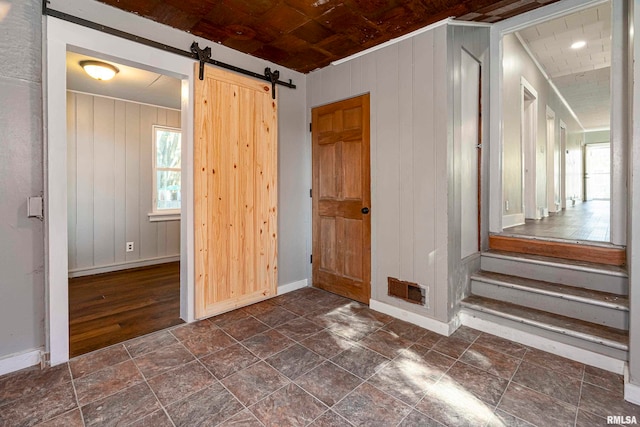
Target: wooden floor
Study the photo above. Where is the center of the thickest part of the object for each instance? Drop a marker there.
(584, 221)
(109, 308)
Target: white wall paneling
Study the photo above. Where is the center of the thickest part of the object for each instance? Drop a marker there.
(110, 180)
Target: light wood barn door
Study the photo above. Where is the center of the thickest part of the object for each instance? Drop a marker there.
(341, 198)
(235, 173)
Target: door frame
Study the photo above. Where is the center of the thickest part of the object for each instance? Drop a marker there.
(62, 36)
(528, 145)
(314, 189)
(496, 142)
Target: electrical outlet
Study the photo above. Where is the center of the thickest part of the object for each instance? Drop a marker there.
(129, 246)
(506, 205)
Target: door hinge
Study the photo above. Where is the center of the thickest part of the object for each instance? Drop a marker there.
(310, 127)
(310, 259)
(311, 192)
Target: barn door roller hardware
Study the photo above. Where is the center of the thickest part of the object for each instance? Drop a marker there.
(202, 55)
(273, 78)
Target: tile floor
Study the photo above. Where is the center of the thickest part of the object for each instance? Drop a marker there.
(313, 358)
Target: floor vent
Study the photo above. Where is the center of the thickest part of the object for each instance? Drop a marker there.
(407, 291)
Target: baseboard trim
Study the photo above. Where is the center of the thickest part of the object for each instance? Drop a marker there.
(631, 391)
(429, 323)
(15, 362)
(290, 287)
(88, 271)
(512, 220)
(545, 344)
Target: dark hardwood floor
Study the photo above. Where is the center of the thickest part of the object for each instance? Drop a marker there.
(584, 221)
(109, 308)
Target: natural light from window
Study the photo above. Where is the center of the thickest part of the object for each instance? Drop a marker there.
(167, 161)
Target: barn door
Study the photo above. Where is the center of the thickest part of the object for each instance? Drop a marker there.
(235, 191)
(341, 198)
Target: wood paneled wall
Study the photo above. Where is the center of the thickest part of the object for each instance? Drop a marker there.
(415, 164)
(110, 182)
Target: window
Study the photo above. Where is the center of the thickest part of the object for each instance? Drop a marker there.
(166, 173)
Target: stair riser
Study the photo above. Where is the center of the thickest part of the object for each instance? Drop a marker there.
(606, 316)
(559, 337)
(549, 273)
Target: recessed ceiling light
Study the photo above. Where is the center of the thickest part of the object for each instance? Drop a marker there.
(579, 44)
(99, 70)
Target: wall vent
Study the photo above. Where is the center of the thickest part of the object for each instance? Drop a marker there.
(407, 291)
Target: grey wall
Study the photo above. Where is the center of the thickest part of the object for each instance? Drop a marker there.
(517, 64)
(22, 241)
(597, 137)
(110, 182)
(476, 42)
(409, 160)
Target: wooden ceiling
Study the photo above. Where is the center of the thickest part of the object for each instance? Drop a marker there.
(307, 34)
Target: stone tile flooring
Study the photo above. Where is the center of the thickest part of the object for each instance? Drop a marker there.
(313, 358)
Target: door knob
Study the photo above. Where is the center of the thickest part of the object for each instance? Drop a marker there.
(365, 210)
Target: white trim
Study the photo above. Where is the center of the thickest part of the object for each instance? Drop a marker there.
(631, 391)
(293, 286)
(60, 37)
(541, 343)
(429, 323)
(529, 152)
(164, 216)
(17, 361)
(88, 271)
(512, 220)
(458, 23)
(393, 41)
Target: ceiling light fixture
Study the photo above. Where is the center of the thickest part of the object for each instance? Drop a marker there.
(99, 70)
(579, 44)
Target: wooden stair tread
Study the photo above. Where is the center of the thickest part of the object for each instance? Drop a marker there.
(603, 254)
(592, 332)
(588, 296)
(559, 262)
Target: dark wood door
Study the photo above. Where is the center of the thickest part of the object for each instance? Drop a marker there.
(342, 198)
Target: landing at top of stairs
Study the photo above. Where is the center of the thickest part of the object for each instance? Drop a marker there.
(579, 251)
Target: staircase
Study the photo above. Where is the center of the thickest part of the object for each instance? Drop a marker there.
(575, 302)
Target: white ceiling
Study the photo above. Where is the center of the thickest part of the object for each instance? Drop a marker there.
(130, 83)
(582, 76)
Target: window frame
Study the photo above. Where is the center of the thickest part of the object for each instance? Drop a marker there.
(162, 214)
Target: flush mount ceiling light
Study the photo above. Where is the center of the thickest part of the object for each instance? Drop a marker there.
(579, 44)
(99, 70)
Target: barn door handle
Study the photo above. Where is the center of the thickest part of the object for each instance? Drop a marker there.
(365, 210)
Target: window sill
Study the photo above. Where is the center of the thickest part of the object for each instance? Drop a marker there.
(164, 216)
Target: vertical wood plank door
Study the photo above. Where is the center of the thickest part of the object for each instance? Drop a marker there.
(235, 190)
(342, 198)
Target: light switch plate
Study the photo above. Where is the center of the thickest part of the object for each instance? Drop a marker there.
(34, 207)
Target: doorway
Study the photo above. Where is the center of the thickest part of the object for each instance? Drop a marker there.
(63, 37)
(597, 174)
(123, 203)
(341, 198)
